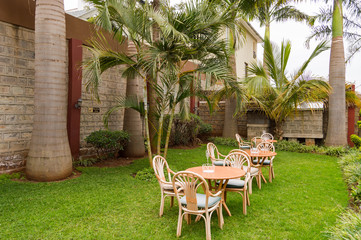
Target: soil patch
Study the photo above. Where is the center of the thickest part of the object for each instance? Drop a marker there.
(121, 161)
(185, 147)
(74, 174)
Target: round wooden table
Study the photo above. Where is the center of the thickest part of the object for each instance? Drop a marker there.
(220, 178)
(260, 156)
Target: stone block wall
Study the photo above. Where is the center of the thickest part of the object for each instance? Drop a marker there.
(216, 119)
(304, 124)
(16, 93)
(111, 87)
(17, 53)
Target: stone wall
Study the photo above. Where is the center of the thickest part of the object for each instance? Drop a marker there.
(16, 93)
(111, 87)
(17, 97)
(304, 124)
(216, 119)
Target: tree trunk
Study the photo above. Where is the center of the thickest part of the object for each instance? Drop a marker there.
(152, 94)
(278, 130)
(230, 127)
(336, 130)
(49, 156)
(132, 119)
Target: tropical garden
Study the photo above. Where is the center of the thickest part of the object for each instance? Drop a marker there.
(309, 198)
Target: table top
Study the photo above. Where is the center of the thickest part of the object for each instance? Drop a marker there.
(260, 153)
(219, 172)
(269, 140)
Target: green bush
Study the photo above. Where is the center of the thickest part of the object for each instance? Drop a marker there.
(17, 175)
(348, 226)
(356, 140)
(86, 162)
(107, 142)
(185, 132)
(204, 129)
(224, 141)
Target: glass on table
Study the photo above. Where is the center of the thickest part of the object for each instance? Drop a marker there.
(254, 150)
(208, 168)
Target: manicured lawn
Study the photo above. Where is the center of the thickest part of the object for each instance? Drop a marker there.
(108, 203)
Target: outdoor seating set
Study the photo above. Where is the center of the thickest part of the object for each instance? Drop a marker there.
(227, 173)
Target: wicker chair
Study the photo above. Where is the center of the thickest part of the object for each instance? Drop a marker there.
(255, 141)
(266, 146)
(266, 136)
(243, 144)
(166, 186)
(194, 203)
(216, 157)
(253, 172)
(239, 159)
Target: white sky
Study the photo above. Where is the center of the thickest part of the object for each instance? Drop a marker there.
(297, 33)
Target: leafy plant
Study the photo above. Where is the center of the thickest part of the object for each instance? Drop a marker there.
(17, 175)
(203, 128)
(107, 142)
(224, 141)
(356, 193)
(356, 139)
(348, 226)
(86, 162)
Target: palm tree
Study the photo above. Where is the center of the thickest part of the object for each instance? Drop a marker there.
(270, 11)
(132, 118)
(336, 130)
(193, 34)
(277, 93)
(49, 156)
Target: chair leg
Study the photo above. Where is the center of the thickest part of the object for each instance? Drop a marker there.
(221, 215)
(208, 226)
(270, 174)
(179, 227)
(250, 185)
(244, 203)
(161, 205)
(273, 172)
(171, 201)
(259, 180)
(249, 203)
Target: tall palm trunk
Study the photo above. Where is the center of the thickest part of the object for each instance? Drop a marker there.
(336, 130)
(49, 157)
(267, 35)
(152, 93)
(132, 119)
(230, 127)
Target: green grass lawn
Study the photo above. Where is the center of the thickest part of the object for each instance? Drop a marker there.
(108, 203)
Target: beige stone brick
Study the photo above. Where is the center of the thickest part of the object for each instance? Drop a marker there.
(17, 90)
(11, 136)
(4, 147)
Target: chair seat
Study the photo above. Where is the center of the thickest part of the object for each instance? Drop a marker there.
(220, 163)
(244, 147)
(253, 169)
(265, 162)
(235, 183)
(168, 187)
(201, 200)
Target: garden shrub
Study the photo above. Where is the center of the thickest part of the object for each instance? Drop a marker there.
(224, 141)
(204, 129)
(185, 132)
(17, 175)
(348, 226)
(86, 162)
(107, 143)
(356, 140)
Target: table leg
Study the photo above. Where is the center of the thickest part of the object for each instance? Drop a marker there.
(222, 187)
